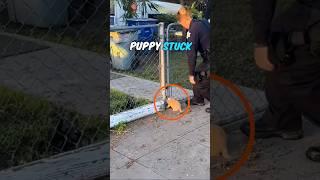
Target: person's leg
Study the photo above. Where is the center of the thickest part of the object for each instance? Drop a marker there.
(311, 110)
(197, 99)
(205, 90)
(204, 87)
(312, 115)
(310, 103)
(281, 119)
(313, 153)
(306, 86)
(281, 113)
(201, 89)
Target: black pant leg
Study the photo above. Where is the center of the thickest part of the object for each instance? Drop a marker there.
(281, 112)
(294, 90)
(197, 95)
(307, 76)
(310, 105)
(201, 89)
(205, 89)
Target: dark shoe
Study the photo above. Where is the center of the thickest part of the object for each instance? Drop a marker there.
(208, 110)
(263, 131)
(313, 153)
(314, 118)
(196, 103)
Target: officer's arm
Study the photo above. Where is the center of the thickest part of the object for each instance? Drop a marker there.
(263, 11)
(192, 54)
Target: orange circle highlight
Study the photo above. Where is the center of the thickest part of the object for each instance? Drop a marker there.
(162, 116)
(249, 148)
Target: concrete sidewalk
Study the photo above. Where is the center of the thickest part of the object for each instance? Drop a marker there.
(74, 78)
(272, 158)
(157, 149)
(275, 158)
(160, 149)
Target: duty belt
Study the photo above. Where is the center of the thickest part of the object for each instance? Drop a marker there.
(299, 38)
(202, 75)
(284, 45)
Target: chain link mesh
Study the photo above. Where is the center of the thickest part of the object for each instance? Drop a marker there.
(233, 61)
(52, 78)
(177, 61)
(133, 71)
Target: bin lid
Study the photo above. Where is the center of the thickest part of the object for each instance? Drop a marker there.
(123, 31)
(142, 19)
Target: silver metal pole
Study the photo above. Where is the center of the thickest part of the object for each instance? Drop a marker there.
(168, 62)
(162, 61)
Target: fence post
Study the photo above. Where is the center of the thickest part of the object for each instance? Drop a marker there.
(162, 60)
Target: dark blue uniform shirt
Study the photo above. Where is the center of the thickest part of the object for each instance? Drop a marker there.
(199, 35)
(263, 14)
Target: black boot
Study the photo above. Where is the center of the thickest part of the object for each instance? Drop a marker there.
(262, 130)
(314, 118)
(196, 102)
(313, 153)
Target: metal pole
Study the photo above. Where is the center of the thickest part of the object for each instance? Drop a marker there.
(162, 61)
(167, 61)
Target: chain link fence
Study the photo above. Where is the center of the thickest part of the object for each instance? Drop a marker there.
(53, 79)
(177, 61)
(140, 63)
(135, 73)
(146, 65)
(233, 61)
(233, 57)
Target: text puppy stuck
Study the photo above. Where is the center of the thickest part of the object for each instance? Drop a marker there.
(167, 46)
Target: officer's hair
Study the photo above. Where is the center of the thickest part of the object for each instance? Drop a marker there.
(185, 11)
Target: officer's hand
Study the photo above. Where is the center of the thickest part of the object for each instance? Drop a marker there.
(191, 79)
(262, 59)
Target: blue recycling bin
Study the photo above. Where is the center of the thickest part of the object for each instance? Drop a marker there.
(145, 34)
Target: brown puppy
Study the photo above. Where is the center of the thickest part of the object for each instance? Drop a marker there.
(219, 142)
(174, 104)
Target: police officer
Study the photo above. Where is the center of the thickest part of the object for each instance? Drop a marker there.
(284, 48)
(198, 32)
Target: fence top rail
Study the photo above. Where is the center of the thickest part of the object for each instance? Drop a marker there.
(168, 28)
(115, 28)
